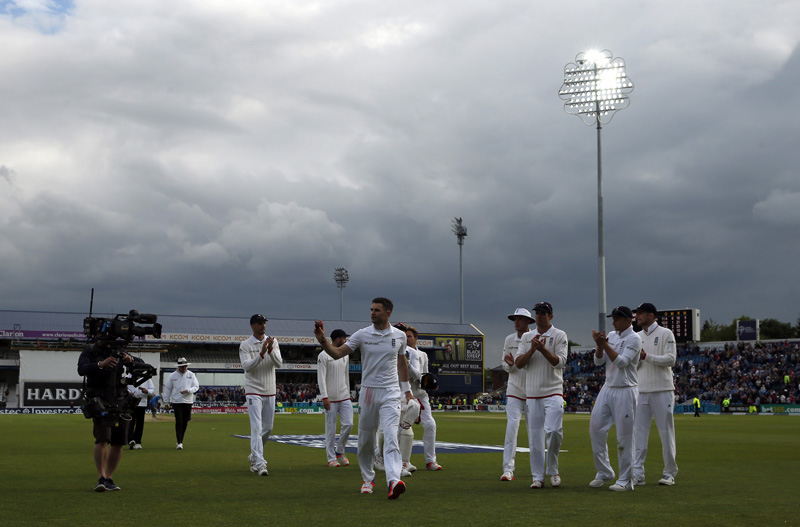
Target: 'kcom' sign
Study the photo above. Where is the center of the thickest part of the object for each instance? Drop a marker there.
(52, 394)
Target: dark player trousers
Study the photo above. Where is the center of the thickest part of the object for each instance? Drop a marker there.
(137, 424)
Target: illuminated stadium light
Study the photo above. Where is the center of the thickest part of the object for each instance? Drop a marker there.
(595, 88)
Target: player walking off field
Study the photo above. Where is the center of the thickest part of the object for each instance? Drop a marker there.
(515, 391)
(417, 369)
(541, 356)
(260, 356)
(333, 380)
(656, 394)
(616, 402)
(384, 370)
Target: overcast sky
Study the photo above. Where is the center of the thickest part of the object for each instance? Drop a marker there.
(223, 157)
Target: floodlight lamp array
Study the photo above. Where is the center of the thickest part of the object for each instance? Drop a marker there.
(341, 276)
(595, 87)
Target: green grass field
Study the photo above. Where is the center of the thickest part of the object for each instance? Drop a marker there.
(734, 470)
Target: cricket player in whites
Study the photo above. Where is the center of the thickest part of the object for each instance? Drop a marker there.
(515, 391)
(417, 367)
(616, 402)
(656, 394)
(260, 356)
(542, 355)
(333, 379)
(384, 371)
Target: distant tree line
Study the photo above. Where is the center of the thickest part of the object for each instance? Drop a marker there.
(769, 328)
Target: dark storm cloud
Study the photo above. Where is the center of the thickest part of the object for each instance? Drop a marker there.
(225, 160)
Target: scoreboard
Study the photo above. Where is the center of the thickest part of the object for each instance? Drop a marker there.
(684, 323)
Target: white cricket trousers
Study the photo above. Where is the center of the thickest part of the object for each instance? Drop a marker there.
(379, 408)
(428, 428)
(545, 432)
(614, 406)
(658, 405)
(515, 408)
(344, 410)
(261, 409)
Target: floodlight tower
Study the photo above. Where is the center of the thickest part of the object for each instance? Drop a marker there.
(341, 277)
(595, 87)
(461, 232)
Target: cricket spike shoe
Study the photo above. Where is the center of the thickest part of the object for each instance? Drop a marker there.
(395, 489)
(366, 487)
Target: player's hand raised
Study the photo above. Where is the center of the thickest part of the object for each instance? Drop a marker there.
(319, 330)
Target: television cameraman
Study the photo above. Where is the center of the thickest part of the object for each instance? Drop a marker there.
(103, 366)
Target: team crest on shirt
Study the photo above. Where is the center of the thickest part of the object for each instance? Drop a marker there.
(393, 342)
(655, 341)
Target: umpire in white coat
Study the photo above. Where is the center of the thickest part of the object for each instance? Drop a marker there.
(179, 390)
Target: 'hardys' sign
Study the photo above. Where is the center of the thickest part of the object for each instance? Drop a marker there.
(52, 394)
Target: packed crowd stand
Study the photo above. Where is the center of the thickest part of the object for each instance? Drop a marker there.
(748, 375)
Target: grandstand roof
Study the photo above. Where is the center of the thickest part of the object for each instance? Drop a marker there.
(181, 328)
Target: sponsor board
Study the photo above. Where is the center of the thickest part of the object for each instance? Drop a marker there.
(460, 368)
(32, 411)
(781, 409)
(229, 339)
(219, 409)
(52, 394)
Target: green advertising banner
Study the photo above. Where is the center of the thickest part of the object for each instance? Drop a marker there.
(781, 409)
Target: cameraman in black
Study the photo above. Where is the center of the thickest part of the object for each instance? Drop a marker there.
(102, 364)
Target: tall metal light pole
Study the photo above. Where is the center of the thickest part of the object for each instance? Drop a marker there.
(595, 87)
(461, 232)
(341, 277)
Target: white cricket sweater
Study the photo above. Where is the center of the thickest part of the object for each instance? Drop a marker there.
(542, 379)
(259, 372)
(655, 371)
(333, 377)
(516, 377)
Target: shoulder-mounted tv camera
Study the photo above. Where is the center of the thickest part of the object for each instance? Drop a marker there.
(122, 327)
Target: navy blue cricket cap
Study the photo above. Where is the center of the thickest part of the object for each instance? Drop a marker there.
(336, 333)
(621, 311)
(646, 307)
(255, 319)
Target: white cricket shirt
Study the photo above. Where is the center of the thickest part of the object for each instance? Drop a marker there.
(622, 372)
(379, 351)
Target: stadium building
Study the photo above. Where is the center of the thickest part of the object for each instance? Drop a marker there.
(39, 353)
